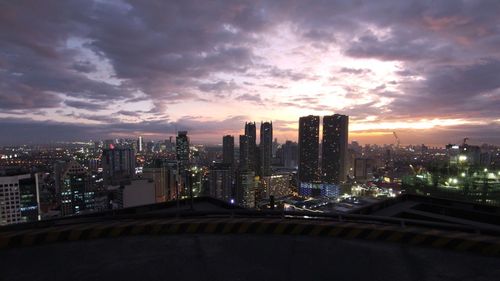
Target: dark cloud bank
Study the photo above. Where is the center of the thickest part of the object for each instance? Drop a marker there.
(164, 48)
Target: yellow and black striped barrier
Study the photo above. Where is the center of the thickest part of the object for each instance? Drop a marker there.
(460, 241)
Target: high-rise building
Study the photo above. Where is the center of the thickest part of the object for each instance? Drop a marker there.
(164, 175)
(182, 149)
(257, 163)
(277, 185)
(30, 198)
(76, 191)
(183, 158)
(245, 189)
(228, 150)
(290, 154)
(363, 169)
(244, 157)
(275, 147)
(266, 148)
(251, 133)
(169, 145)
(334, 148)
(221, 181)
(196, 178)
(118, 165)
(18, 199)
(309, 148)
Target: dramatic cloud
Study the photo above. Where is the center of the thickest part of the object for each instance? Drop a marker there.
(74, 70)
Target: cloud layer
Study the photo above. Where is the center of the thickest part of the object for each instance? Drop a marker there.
(77, 70)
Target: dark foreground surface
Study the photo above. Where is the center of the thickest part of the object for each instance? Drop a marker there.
(241, 257)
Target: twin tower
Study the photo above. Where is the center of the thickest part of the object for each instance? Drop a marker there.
(252, 157)
(333, 156)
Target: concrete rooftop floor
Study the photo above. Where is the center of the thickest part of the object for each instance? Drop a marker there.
(241, 257)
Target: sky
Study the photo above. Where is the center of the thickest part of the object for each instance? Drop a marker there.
(80, 70)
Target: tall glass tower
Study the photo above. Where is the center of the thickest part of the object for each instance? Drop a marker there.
(266, 147)
(309, 148)
(334, 148)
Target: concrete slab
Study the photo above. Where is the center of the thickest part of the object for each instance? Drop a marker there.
(241, 257)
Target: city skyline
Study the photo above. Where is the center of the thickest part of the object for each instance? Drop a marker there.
(78, 71)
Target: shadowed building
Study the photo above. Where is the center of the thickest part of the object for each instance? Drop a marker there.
(334, 148)
(244, 147)
(182, 149)
(183, 159)
(164, 175)
(251, 133)
(118, 165)
(266, 148)
(228, 150)
(18, 198)
(245, 189)
(290, 154)
(309, 148)
(76, 194)
(221, 181)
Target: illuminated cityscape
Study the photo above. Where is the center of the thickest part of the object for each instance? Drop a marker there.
(86, 177)
(249, 140)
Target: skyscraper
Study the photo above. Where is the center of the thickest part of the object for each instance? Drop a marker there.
(275, 147)
(228, 150)
(18, 199)
(30, 198)
(76, 191)
(182, 149)
(118, 165)
(334, 148)
(244, 147)
(290, 154)
(308, 148)
(245, 189)
(221, 181)
(266, 147)
(164, 175)
(251, 133)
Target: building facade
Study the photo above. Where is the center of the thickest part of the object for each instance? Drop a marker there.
(245, 189)
(118, 165)
(18, 199)
(251, 133)
(266, 148)
(228, 150)
(244, 153)
(290, 155)
(309, 148)
(334, 148)
(221, 181)
(76, 194)
(164, 174)
(182, 149)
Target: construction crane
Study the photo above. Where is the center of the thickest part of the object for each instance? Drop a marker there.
(398, 142)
